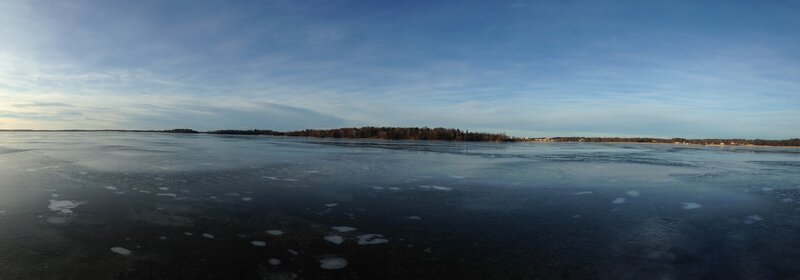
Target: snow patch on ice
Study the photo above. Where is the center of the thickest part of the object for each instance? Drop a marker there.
(618, 200)
(332, 263)
(275, 232)
(121, 251)
(207, 235)
(752, 219)
(632, 193)
(258, 243)
(435, 187)
(335, 239)
(691, 205)
(63, 206)
(371, 238)
(343, 228)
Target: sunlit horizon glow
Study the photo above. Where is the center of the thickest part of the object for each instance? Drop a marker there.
(697, 69)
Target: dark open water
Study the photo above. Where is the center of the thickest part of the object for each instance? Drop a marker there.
(162, 206)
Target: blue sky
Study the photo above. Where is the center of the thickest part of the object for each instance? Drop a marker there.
(527, 68)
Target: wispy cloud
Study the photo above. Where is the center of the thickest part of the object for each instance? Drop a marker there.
(656, 69)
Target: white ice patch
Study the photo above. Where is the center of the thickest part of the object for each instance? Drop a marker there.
(331, 204)
(63, 206)
(163, 188)
(246, 199)
(274, 232)
(332, 263)
(111, 188)
(335, 239)
(290, 180)
(583, 193)
(144, 191)
(343, 228)
(377, 188)
(413, 218)
(207, 235)
(618, 200)
(293, 252)
(121, 251)
(54, 195)
(188, 233)
(752, 219)
(258, 243)
(274, 261)
(632, 193)
(394, 188)
(457, 177)
(270, 177)
(435, 187)
(370, 239)
(691, 205)
(167, 194)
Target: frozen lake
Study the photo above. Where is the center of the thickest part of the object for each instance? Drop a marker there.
(163, 206)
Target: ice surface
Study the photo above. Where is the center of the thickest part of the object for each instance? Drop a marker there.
(120, 250)
(246, 199)
(274, 261)
(690, 205)
(370, 239)
(208, 235)
(293, 252)
(413, 218)
(332, 204)
(335, 239)
(258, 243)
(167, 194)
(583, 193)
(618, 200)
(275, 232)
(343, 228)
(332, 263)
(111, 188)
(632, 193)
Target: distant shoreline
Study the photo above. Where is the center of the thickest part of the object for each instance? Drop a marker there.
(456, 135)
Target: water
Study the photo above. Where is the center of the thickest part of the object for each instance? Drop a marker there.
(163, 206)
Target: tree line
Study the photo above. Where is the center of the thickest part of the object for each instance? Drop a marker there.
(394, 133)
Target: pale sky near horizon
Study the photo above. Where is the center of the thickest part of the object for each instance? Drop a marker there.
(527, 68)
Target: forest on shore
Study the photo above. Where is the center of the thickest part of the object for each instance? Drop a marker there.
(452, 134)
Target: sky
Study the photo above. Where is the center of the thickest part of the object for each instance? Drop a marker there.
(526, 68)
